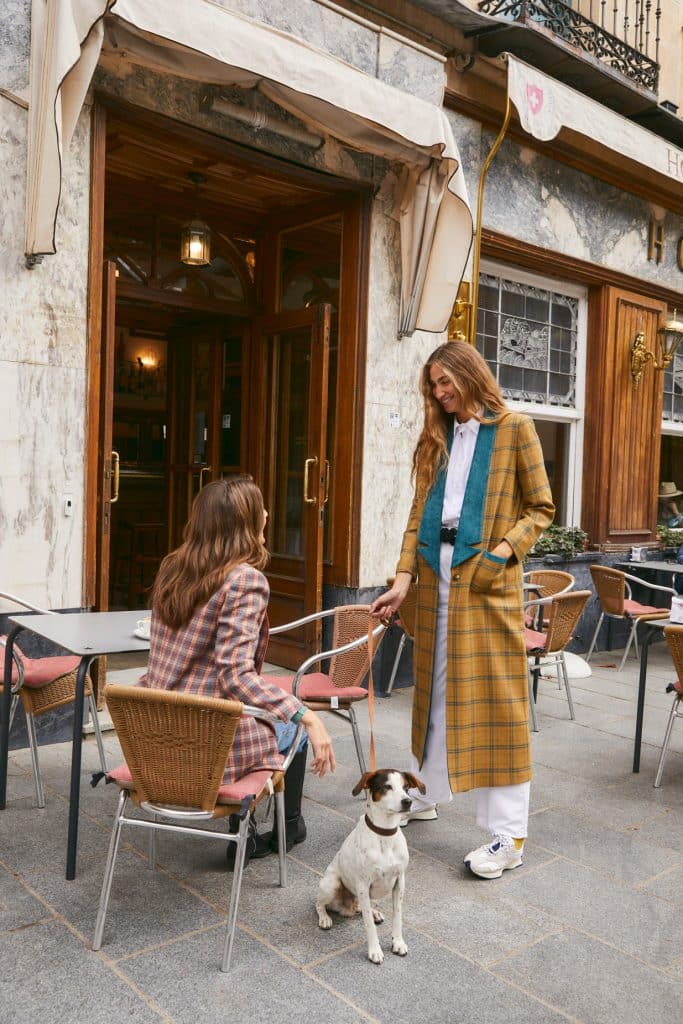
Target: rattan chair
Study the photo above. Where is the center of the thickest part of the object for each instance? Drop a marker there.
(564, 612)
(674, 638)
(176, 746)
(614, 594)
(339, 688)
(549, 582)
(406, 620)
(42, 685)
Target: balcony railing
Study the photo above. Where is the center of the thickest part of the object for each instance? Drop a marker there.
(624, 34)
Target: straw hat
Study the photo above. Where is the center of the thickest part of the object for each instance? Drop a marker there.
(668, 489)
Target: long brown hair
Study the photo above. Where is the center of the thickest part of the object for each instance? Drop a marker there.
(225, 529)
(477, 392)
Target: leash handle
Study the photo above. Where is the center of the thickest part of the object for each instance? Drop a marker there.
(371, 694)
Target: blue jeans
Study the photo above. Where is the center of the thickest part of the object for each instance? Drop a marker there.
(285, 732)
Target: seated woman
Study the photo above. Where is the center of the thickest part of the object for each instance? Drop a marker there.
(209, 634)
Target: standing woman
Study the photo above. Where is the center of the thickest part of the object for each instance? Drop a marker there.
(209, 635)
(481, 500)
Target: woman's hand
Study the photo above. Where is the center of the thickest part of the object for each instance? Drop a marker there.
(386, 604)
(323, 754)
(503, 550)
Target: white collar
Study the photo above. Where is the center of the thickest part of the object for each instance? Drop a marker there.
(472, 425)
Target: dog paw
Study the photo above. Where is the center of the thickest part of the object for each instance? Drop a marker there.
(399, 947)
(376, 955)
(324, 922)
(377, 915)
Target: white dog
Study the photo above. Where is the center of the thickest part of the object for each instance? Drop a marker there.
(372, 861)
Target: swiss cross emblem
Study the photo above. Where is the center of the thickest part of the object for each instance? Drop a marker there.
(534, 96)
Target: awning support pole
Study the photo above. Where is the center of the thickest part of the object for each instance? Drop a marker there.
(477, 231)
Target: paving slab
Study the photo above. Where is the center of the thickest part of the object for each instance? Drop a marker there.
(591, 981)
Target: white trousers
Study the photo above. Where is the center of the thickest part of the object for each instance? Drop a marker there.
(500, 809)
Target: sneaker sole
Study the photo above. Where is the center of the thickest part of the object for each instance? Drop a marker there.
(496, 874)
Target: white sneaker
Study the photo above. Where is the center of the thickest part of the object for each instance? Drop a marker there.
(490, 861)
(428, 814)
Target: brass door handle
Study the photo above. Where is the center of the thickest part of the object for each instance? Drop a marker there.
(307, 465)
(202, 471)
(115, 472)
(327, 482)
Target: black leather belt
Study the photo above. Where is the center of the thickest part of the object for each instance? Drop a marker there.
(448, 534)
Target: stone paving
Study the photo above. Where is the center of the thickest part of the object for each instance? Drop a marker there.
(590, 929)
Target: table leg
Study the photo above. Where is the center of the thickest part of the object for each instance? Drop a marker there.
(4, 713)
(640, 707)
(76, 746)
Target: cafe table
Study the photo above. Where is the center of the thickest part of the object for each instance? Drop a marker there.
(653, 628)
(87, 635)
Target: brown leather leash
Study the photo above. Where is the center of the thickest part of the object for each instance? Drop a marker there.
(372, 624)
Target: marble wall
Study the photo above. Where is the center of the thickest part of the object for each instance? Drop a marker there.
(42, 356)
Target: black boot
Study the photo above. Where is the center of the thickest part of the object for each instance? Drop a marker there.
(295, 826)
(253, 842)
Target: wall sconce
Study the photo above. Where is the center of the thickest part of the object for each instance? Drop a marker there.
(459, 323)
(669, 337)
(195, 236)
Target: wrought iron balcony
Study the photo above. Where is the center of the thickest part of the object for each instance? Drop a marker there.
(623, 34)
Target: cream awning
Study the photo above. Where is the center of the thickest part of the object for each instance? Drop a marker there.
(204, 42)
(546, 108)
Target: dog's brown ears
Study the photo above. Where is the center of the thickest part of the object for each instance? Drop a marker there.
(414, 782)
(362, 783)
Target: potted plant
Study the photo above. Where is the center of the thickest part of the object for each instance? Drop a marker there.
(567, 541)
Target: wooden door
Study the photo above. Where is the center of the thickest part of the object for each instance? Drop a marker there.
(288, 425)
(195, 373)
(108, 473)
(621, 468)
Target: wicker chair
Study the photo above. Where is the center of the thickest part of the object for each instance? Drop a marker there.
(674, 638)
(338, 689)
(406, 620)
(176, 746)
(564, 612)
(549, 582)
(614, 594)
(42, 685)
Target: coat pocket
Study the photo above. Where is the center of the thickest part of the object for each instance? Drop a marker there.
(489, 569)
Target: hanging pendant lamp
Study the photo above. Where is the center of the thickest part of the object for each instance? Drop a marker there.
(195, 236)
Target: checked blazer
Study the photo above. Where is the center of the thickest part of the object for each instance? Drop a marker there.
(507, 498)
(219, 653)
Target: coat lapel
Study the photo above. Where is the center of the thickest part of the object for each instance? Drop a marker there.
(428, 538)
(471, 517)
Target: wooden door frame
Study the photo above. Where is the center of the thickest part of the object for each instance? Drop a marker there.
(354, 198)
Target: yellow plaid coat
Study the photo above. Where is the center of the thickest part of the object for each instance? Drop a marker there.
(487, 729)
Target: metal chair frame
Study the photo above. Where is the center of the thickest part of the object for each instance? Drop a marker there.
(564, 612)
(345, 712)
(19, 691)
(607, 574)
(674, 638)
(192, 774)
(406, 620)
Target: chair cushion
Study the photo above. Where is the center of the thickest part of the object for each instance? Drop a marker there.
(318, 686)
(636, 610)
(232, 793)
(39, 671)
(678, 686)
(534, 640)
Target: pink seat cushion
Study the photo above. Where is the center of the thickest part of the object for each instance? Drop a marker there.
(318, 686)
(39, 671)
(678, 686)
(534, 640)
(230, 793)
(635, 609)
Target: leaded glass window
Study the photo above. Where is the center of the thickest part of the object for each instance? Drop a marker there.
(528, 336)
(672, 407)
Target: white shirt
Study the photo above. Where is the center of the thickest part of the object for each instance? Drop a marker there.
(462, 452)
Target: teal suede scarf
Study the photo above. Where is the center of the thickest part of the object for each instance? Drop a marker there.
(469, 528)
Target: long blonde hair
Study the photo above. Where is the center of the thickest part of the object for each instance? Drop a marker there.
(225, 529)
(477, 392)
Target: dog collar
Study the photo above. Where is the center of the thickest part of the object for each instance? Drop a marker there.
(380, 831)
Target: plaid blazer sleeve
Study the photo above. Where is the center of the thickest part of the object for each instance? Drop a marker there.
(237, 639)
(538, 509)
